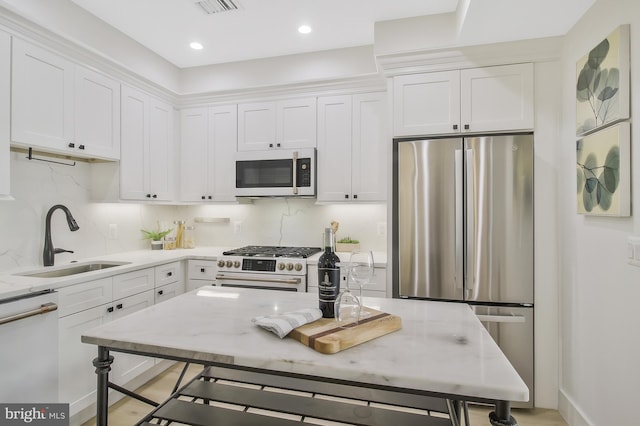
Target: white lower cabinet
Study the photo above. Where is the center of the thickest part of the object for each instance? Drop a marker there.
(87, 305)
(201, 273)
(376, 288)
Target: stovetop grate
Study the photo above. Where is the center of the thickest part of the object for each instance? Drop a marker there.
(273, 251)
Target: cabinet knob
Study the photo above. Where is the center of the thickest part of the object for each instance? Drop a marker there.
(148, 195)
(202, 270)
(169, 274)
(161, 292)
(110, 309)
(270, 145)
(355, 196)
(154, 196)
(455, 127)
(81, 146)
(72, 145)
(466, 127)
(203, 197)
(210, 197)
(119, 306)
(278, 145)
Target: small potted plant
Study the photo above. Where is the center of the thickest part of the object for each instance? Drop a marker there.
(347, 245)
(155, 237)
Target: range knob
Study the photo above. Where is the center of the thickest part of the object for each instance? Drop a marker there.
(229, 264)
(298, 267)
(281, 266)
(220, 263)
(236, 263)
(289, 266)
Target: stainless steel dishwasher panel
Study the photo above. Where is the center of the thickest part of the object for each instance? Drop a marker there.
(512, 329)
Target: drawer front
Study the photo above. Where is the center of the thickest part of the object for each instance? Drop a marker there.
(168, 291)
(84, 296)
(169, 273)
(193, 284)
(133, 283)
(202, 269)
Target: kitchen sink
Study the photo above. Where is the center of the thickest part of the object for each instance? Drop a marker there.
(73, 269)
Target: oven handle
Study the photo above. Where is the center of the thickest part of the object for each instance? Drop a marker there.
(295, 172)
(293, 281)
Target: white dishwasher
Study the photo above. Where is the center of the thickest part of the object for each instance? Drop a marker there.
(29, 354)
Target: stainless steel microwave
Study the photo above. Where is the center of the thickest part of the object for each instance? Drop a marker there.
(276, 173)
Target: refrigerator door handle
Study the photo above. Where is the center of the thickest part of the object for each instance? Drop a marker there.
(502, 318)
(470, 224)
(458, 233)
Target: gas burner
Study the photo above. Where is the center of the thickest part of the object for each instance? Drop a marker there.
(273, 251)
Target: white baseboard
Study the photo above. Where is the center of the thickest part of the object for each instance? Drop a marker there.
(570, 411)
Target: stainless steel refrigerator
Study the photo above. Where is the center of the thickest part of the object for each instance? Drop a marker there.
(463, 232)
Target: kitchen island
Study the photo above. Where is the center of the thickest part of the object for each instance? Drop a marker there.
(442, 349)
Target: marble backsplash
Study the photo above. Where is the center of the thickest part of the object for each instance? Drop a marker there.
(36, 186)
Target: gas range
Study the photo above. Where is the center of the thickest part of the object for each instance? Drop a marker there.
(265, 267)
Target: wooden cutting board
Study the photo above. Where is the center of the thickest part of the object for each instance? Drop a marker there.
(326, 337)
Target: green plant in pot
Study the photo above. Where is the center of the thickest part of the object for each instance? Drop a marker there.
(155, 237)
(347, 244)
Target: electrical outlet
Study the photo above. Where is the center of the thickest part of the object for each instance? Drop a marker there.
(382, 229)
(633, 250)
(237, 227)
(113, 231)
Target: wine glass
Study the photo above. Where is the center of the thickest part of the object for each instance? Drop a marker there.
(360, 271)
(347, 307)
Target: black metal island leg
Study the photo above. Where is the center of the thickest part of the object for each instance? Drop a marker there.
(103, 366)
(502, 416)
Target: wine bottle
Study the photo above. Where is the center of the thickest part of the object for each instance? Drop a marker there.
(328, 276)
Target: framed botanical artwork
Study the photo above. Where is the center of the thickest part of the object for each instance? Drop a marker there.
(602, 87)
(603, 166)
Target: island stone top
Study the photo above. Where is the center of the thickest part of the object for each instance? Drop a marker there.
(442, 347)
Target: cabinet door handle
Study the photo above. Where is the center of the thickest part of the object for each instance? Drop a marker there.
(455, 127)
(203, 197)
(202, 270)
(346, 196)
(278, 145)
(355, 196)
(210, 197)
(110, 309)
(161, 292)
(169, 274)
(270, 145)
(154, 196)
(148, 195)
(72, 145)
(119, 306)
(466, 127)
(81, 146)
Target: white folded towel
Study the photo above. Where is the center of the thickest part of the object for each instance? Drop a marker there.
(282, 324)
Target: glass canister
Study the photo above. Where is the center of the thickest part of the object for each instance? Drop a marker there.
(169, 243)
(179, 233)
(189, 237)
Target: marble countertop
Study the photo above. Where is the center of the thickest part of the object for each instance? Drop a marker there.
(12, 285)
(442, 347)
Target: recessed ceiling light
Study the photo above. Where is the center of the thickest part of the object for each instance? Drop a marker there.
(195, 45)
(304, 29)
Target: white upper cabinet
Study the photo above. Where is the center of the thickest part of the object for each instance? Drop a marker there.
(497, 98)
(147, 151)
(352, 148)
(426, 103)
(5, 107)
(61, 107)
(473, 100)
(207, 151)
(283, 124)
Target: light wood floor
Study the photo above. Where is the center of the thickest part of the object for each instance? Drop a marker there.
(128, 411)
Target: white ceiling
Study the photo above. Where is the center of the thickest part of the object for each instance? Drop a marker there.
(267, 28)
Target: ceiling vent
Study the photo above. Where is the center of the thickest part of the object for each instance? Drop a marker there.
(217, 6)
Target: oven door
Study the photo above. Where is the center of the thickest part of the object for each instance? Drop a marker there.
(275, 173)
(262, 281)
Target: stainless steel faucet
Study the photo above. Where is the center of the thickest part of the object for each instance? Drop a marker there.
(50, 252)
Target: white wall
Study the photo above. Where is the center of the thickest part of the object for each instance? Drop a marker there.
(36, 186)
(599, 291)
